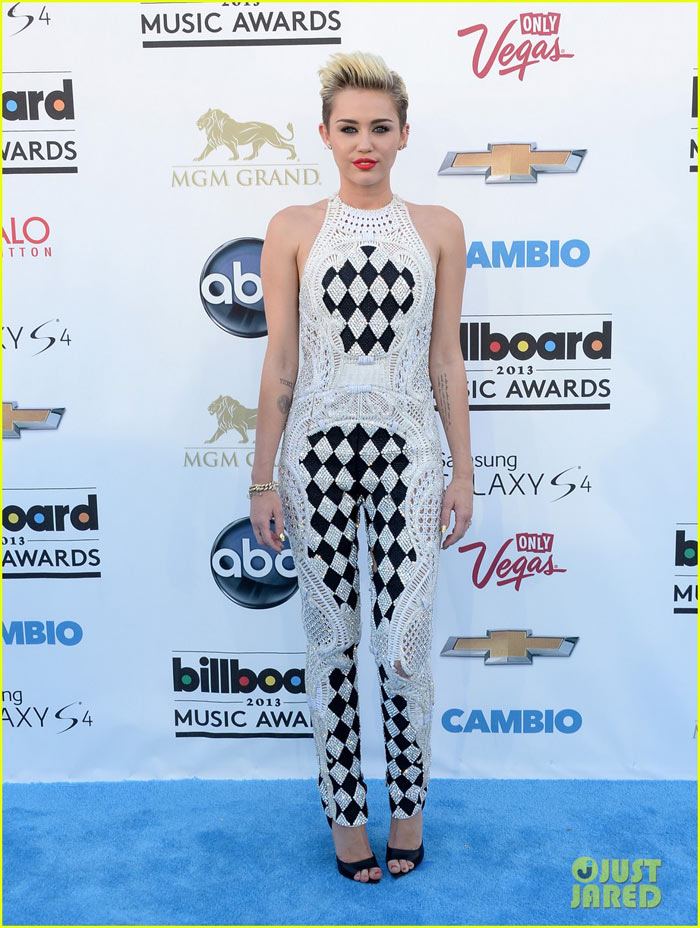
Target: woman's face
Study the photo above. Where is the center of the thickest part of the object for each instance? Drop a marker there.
(364, 124)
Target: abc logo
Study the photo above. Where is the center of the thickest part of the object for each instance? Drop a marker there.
(251, 574)
(231, 289)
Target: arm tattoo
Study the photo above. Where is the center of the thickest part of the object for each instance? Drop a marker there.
(444, 400)
(284, 402)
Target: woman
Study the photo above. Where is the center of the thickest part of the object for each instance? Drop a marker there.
(363, 296)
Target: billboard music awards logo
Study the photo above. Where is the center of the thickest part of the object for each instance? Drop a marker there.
(685, 595)
(252, 695)
(239, 25)
(248, 573)
(539, 42)
(235, 424)
(26, 237)
(230, 287)
(38, 113)
(538, 368)
(228, 140)
(50, 533)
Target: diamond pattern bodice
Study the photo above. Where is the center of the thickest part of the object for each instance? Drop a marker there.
(368, 292)
(366, 303)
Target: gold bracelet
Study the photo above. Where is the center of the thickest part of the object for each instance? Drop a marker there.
(261, 487)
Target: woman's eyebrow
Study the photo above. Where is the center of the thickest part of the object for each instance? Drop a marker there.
(382, 119)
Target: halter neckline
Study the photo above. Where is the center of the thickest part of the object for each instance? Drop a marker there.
(366, 212)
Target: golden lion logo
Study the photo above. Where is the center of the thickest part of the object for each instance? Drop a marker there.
(222, 130)
(230, 414)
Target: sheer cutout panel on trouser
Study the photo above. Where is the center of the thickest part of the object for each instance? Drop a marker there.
(343, 468)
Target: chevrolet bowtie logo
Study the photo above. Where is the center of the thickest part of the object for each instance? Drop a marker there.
(14, 419)
(512, 162)
(509, 646)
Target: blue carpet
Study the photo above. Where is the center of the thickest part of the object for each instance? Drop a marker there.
(229, 852)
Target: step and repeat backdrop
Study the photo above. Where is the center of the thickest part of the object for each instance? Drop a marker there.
(145, 147)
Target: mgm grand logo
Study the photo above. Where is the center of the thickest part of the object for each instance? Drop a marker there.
(235, 447)
(225, 138)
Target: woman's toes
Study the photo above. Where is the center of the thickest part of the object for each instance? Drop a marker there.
(400, 865)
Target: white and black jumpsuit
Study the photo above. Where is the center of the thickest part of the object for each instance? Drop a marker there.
(361, 436)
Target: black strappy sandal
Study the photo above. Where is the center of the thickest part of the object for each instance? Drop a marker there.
(395, 853)
(349, 870)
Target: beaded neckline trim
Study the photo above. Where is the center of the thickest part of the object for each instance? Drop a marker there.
(358, 211)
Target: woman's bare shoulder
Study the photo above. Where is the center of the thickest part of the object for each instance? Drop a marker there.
(300, 214)
(296, 226)
(435, 214)
(438, 226)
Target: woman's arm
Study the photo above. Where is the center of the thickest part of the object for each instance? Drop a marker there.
(447, 373)
(280, 285)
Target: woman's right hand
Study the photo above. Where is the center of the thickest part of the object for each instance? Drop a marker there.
(264, 507)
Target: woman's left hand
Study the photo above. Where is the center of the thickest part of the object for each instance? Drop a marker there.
(458, 498)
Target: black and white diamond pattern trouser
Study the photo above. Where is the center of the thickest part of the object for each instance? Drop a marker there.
(345, 469)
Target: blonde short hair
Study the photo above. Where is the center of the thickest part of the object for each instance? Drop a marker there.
(361, 70)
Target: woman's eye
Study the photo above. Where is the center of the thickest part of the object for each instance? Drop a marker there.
(383, 128)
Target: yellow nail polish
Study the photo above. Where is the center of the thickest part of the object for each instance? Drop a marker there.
(282, 536)
(444, 529)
